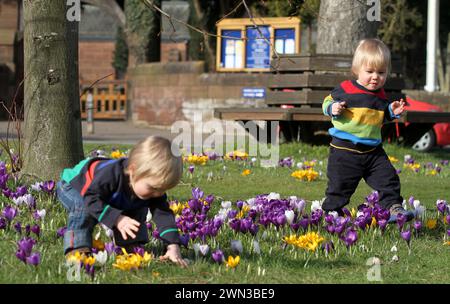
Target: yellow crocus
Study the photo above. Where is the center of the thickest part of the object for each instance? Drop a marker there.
(431, 224)
(246, 172)
(233, 262)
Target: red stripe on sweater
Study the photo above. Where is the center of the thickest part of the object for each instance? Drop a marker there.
(350, 88)
(89, 176)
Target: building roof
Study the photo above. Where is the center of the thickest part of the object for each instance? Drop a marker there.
(96, 24)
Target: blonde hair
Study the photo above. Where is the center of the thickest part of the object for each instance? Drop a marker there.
(153, 157)
(373, 53)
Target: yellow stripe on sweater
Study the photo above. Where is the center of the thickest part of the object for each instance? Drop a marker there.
(364, 116)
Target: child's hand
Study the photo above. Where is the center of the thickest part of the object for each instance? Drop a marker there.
(173, 254)
(126, 225)
(338, 107)
(398, 107)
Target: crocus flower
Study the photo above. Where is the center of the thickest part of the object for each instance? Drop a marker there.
(382, 224)
(447, 219)
(2, 223)
(350, 237)
(204, 249)
(184, 240)
(26, 245)
(110, 247)
(197, 193)
(18, 227)
(406, 235)
(417, 225)
(256, 247)
(36, 229)
(48, 186)
(34, 259)
(328, 247)
(233, 262)
(191, 169)
(441, 206)
(236, 246)
(9, 213)
(101, 257)
(21, 256)
(401, 220)
(218, 256)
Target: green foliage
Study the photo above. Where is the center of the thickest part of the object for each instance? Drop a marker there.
(143, 27)
(120, 62)
(400, 24)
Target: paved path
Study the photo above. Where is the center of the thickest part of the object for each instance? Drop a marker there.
(109, 132)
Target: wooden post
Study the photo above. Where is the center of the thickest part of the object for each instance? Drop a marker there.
(90, 113)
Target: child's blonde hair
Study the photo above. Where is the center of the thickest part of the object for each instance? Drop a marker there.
(373, 53)
(153, 157)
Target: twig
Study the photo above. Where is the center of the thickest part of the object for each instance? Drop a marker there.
(94, 83)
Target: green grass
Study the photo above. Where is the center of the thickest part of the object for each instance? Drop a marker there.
(425, 264)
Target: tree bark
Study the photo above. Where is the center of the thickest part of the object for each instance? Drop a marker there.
(52, 108)
(341, 24)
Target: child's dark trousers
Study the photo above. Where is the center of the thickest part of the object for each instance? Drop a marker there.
(345, 170)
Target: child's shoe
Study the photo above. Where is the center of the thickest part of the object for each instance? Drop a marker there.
(396, 210)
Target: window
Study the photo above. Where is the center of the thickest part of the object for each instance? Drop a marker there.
(231, 49)
(285, 41)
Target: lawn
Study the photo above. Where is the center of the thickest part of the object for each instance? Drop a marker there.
(267, 255)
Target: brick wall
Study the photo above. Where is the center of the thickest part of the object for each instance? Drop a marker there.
(161, 94)
(173, 51)
(8, 27)
(95, 59)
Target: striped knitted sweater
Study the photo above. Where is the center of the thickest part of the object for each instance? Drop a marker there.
(365, 113)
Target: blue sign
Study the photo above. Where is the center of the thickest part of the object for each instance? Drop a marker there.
(253, 93)
(257, 50)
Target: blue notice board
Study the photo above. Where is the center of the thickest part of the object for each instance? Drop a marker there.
(257, 50)
(253, 92)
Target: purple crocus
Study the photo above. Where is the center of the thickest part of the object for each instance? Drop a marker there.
(417, 225)
(382, 224)
(350, 237)
(441, 207)
(48, 186)
(36, 229)
(139, 250)
(2, 223)
(26, 245)
(110, 248)
(34, 259)
(184, 240)
(197, 193)
(27, 229)
(447, 219)
(401, 220)
(18, 227)
(217, 256)
(9, 213)
(21, 256)
(406, 235)
(191, 169)
(328, 247)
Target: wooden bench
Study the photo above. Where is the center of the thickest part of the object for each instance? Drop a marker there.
(298, 85)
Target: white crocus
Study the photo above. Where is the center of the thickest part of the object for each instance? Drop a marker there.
(149, 216)
(196, 248)
(256, 247)
(289, 214)
(273, 196)
(236, 246)
(41, 213)
(101, 257)
(316, 205)
(204, 249)
(226, 205)
(416, 204)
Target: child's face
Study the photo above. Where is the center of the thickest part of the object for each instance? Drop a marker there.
(144, 190)
(372, 78)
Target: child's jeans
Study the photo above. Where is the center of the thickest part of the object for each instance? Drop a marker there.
(80, 224)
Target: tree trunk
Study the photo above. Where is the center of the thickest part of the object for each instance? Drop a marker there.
(341, 24)
(52, 110)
